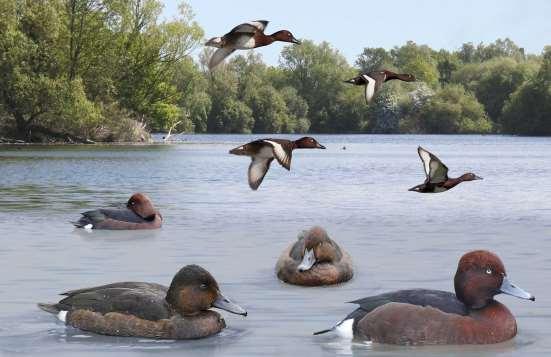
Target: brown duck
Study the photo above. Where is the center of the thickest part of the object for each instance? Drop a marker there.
(437, 175)
(314, 260)
(245, 36)
(373, 81)
(263, 152)
(140, 213)
(151, 310)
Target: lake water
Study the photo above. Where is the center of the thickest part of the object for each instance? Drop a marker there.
(398, 239)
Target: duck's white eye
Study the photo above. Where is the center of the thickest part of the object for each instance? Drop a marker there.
(203, 286)
(489, 271)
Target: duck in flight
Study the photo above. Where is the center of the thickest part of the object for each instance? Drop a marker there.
(263, 152)
(437, 175)
(373, 81)
(246, 36)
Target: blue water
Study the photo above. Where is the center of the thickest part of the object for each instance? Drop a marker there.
(398, 239)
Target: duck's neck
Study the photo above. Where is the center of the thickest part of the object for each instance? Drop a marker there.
(264, 40)
(452, 182)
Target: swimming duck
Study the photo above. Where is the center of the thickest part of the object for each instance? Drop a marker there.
(373, 81)
(314, 260)
(419, 316)
(437, 175)
(138, 214)
(263, 151)
(245, 37)
(150, 310)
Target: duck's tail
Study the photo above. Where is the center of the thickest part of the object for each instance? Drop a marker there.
(215, 42)
(51, 308)
(323, 331)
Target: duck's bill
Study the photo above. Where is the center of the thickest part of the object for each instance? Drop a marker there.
(320, 146)
(507, 287)
(308, 261)
(478, 177)
(295, 41)
(351, 81)
(224, 303)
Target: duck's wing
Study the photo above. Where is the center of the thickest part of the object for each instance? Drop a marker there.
(369, 87)
(143, 300)
(257, 170)
(219, 55)
(250, 27)
(283, 151)
(442, 300)
(435, 169)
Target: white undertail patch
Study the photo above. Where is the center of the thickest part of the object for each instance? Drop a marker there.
(344, 329)
(89, 226)
(62, 316)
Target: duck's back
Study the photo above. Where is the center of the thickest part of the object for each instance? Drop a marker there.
(143, 300)
(441, 300)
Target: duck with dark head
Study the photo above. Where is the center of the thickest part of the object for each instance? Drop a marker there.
(436, 172)
(314, 260)
(245, 37)
(373, 81)
(262, 152)
(181, 311)
(420, 316)
(140, 213)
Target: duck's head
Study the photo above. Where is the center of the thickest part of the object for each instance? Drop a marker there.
(193, 290)
(284, 36)
(469, 176)
(318, 248)
(308, 142)
(140, 204)
(480, 276)
(358, 81)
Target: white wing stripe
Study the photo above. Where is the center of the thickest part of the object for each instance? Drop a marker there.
(425, 157)
(279, 152)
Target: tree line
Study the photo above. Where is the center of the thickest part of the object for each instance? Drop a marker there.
(114, 70)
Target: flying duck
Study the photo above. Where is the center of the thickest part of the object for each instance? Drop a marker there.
(421, 316)
(150, 310)
(245, 37)
(263, 151)
(138, 214)
(314, 260)
(437, 175)
(373, 81)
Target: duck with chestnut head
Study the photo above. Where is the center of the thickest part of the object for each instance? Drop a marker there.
(262, 152)
(245, 36)
(314, 260)
(180, 311)
(421, 316)
(140, 213)
(436, 172)
(373, 81)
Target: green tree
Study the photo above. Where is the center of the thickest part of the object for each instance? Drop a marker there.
(373, 59)
(418, 60)
(452, 110)
(528, 112)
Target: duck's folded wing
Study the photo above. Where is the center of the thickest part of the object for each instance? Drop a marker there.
(219, 55)
(435, 169)
(257, 170)
(442, 300)
(282, 152)
(135, 299)
(250, 27)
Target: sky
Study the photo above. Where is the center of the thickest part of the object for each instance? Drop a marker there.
(351, 25)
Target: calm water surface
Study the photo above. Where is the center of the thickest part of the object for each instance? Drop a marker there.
(398, 239)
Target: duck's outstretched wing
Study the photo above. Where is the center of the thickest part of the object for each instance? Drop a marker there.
(283, 152)
(250, 27)
(435, 169)
(257, 170)
(219, 55)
